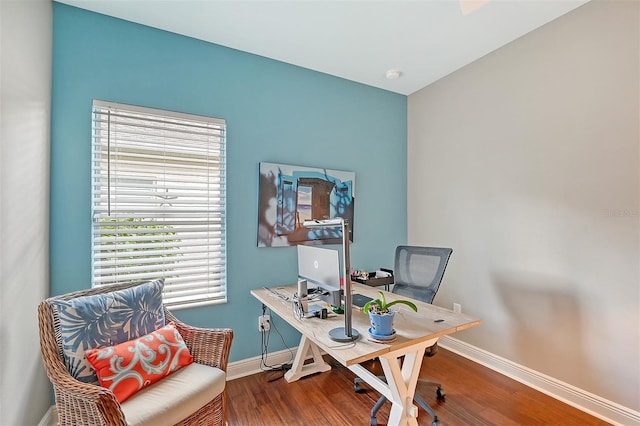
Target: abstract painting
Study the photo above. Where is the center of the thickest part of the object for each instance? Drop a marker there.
(290, 195)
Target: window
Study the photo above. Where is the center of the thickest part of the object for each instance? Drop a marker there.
(158, 209)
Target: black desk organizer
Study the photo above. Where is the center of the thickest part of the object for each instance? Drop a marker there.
(373, 281)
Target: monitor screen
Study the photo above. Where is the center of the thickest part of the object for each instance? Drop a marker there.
(320, 267)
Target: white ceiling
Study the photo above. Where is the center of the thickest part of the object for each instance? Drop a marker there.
(354, 39)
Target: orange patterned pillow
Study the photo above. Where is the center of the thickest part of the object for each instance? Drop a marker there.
(130, 366)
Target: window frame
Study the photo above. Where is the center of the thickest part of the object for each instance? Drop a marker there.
(139, 156)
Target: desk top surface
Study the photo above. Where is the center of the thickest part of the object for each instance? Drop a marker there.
(411, 327)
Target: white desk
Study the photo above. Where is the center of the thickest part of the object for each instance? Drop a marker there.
(415, 331)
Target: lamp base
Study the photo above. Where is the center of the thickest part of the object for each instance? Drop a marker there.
(340, 335)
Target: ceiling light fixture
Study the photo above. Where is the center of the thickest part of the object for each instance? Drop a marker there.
(393, 74)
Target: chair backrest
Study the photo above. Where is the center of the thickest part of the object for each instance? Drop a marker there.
(419, 270)
(67, 330)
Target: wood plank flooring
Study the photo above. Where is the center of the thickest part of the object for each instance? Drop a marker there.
(475, 395)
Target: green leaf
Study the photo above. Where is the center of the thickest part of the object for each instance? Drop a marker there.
(404, 302)
(384, 306)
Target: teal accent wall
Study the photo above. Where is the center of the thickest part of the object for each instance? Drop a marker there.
(275, 112)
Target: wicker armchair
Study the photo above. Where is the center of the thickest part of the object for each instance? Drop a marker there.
(79, 403)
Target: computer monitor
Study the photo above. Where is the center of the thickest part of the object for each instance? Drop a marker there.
(321, 267)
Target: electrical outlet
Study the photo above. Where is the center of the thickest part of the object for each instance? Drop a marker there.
(457, 308)
(264, 323)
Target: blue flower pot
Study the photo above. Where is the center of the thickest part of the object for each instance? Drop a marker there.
(382, 324)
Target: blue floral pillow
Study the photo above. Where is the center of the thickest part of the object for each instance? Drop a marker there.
(106, 319)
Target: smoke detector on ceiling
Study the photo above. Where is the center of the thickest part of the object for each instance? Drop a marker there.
(393, 74)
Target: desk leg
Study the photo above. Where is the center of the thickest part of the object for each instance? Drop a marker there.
(299, 369)
(402, 383)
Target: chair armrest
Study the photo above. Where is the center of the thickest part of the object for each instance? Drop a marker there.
(82, 403)
(77, 402)
(208, 346)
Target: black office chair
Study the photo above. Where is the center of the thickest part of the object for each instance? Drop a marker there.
(417, 274)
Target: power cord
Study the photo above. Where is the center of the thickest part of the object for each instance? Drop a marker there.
(264, 366)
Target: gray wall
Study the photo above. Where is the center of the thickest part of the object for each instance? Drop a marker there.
(526, 162)
(25, 92)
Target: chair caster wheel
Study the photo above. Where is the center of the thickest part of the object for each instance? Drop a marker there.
(357, 388)
(435, 422)
(373, 421)
(440, 394)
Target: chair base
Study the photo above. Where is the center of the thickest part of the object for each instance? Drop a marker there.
(440, 395)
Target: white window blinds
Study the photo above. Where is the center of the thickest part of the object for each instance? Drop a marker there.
(159, 201)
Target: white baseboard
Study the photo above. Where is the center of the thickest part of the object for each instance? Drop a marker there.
(582, 400)
(50, 417)
(249, 366)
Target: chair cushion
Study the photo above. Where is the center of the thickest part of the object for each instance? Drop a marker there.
(128, 367)
(175, 397)
(105, 319)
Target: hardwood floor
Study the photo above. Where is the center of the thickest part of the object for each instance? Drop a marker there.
(475, 395)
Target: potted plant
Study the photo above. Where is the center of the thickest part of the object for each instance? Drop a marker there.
(381, 317)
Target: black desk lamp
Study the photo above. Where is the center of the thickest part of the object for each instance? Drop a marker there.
(346, 333)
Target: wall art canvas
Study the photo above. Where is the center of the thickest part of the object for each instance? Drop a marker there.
(289, 195)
